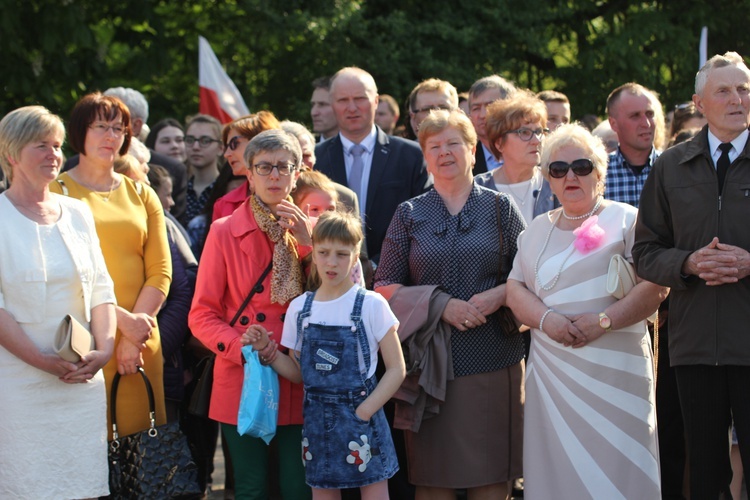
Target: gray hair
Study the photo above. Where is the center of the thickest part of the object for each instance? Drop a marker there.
(139, 151)
(22, 127)
(270, 141)
(134, 100)
(574, 134)
(718, 61)
(297, 129)
(505, 87)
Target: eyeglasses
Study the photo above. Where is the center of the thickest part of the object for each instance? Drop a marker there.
(581, 167)
(526, 133)
(102, 128)
(203, 140)
(427, 109)
(267, 168)
(234, 142)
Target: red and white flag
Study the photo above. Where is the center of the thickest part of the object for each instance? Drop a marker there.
(219, 96)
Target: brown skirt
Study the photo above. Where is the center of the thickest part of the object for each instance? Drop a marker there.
(477, 439)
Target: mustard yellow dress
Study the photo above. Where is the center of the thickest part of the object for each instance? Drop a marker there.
(130, 225)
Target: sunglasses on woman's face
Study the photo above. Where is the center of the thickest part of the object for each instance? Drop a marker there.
(581, 167)
(234, 143)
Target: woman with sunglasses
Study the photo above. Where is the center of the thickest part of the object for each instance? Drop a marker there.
(516, 128)
(236, 136)
(590, 420)
(267, 228)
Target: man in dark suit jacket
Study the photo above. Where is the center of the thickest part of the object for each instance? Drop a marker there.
(393, 168)
(482, 93)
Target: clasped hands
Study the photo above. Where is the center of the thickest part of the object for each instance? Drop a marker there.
(574, 330)
(261, 340)
(718, 263)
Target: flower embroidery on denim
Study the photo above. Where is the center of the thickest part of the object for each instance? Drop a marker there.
(360, 455)
(306, 455)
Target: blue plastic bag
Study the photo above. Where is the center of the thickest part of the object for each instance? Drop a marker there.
(259, 402)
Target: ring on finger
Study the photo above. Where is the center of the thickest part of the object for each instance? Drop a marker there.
(466, 322)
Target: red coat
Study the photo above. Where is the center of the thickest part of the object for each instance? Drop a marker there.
(235, 255)
(227, 204)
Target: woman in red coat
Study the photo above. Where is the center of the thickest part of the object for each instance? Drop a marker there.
(266, 227)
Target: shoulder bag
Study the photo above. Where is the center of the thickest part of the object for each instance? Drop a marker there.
(201, 397)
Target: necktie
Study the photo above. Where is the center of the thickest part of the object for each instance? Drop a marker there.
(722, 165)
(355, 177)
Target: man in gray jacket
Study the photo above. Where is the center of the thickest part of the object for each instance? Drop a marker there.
(692, 235)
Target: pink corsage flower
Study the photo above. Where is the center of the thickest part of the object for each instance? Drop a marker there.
(589, 236)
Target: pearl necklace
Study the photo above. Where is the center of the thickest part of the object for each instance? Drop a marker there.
(546, 242)
(587, 214)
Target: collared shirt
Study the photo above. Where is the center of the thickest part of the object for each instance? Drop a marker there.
(738, 145)
(369, 144)
(196, 203)
(492, 162)
(623, 183)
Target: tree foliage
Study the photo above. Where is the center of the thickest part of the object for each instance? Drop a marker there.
(55, 51)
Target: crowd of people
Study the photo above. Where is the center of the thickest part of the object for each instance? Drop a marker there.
(434, 289)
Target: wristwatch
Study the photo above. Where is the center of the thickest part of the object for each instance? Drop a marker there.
(605, 322)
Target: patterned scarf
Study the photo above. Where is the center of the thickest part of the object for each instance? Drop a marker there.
(286, 277)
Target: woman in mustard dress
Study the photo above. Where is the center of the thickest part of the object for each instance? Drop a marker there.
(130, 224)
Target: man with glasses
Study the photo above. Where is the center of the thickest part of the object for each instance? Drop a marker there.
(383, 170)
(636, 117)
(430, 94)
(204, 151)
(482, 93)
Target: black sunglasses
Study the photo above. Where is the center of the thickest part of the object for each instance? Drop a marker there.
(234, 142)
(580, 167)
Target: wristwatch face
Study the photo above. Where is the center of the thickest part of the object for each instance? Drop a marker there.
(604, 321)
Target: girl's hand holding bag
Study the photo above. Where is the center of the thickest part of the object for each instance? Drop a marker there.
(259, 402)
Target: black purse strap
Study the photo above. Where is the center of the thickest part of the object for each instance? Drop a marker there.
(501, 268)
(255, 289)
(113, 405)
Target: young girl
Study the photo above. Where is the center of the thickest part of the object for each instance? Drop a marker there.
(316, 194)
(334, 334)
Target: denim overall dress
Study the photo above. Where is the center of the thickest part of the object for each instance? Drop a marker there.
(339, 450)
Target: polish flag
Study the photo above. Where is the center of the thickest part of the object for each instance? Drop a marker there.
(219, 96)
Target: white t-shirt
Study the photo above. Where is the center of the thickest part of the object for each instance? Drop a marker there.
(376, 316)
(523, 193)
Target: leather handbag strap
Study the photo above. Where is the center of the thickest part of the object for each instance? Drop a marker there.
(255, 289)
(500, 268)
(151, 403)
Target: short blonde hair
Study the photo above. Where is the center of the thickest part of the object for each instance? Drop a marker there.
(506, 115)
(574, 134)
(23, 126)
(340, 226)
(439, 120)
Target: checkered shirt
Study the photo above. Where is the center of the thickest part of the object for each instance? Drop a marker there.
(623, 184)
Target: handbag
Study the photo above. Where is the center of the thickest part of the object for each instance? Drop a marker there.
(72, 340)
(620, 277)
(508, 322)
(259, 402)
(155, 463)
(200, 400)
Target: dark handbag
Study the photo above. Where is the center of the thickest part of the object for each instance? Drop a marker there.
(155, 463)
(508, 322)
(200, 401)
